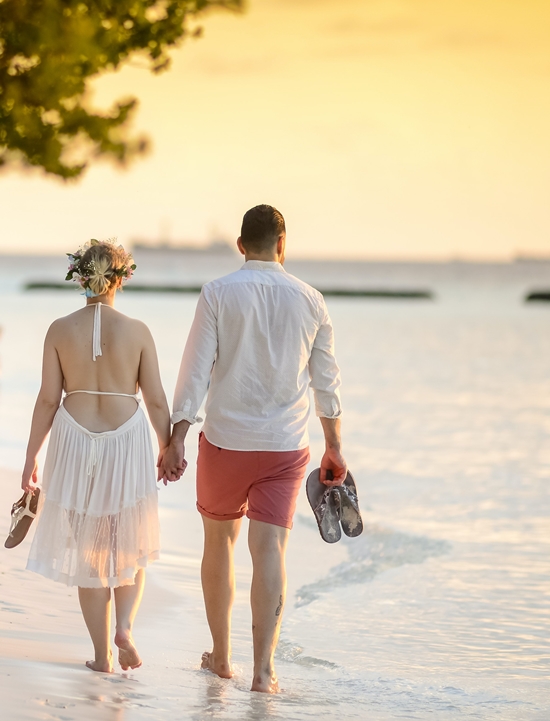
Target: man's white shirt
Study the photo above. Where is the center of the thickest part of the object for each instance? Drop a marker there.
(259, 339)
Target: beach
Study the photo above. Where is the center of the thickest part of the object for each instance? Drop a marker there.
(440, 610)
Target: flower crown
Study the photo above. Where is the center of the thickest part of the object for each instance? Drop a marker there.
(81, 272)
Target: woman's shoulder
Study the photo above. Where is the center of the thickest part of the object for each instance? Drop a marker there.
(62, 324)
(72, 320)
(132, 326)
(135, 323)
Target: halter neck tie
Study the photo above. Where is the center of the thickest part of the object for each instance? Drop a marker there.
(96, 338)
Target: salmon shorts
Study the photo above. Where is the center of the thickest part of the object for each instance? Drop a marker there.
(263, 485)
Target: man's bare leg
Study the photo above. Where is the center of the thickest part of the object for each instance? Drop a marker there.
(127, 600)
(96, 609)
(218, 587)
(267, 545)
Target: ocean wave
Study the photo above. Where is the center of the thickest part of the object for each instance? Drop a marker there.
(292, 653)
(377, 550)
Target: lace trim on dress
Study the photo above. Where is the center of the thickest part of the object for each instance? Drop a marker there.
(97, 551)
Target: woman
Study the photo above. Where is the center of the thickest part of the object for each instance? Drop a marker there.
(98, 527)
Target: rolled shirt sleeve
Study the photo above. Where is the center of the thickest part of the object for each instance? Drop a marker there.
(324, 371)
(197, 361)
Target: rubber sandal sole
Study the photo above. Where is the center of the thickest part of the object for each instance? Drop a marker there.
(321, 500)
(350, 515)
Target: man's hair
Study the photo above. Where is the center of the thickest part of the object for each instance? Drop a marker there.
(261, 228)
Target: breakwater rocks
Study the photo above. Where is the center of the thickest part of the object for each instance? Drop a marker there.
(335, 292)
(538, 296)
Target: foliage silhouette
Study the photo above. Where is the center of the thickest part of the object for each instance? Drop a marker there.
(50, 49)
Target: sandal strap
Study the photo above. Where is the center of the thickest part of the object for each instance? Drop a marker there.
(18, 512)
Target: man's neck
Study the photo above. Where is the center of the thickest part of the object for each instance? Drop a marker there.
(275, 254)
(264, 257)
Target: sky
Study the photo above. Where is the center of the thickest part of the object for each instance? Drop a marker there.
(383, 129)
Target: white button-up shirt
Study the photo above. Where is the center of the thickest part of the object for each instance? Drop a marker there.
(259, 339)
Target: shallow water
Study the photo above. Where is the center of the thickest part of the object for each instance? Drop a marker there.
(441, 609)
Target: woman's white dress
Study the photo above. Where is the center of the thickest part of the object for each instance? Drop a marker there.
(98, 522)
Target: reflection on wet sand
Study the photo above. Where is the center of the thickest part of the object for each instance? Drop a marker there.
(107, 696)
(262, 706)
(215, 697)
(224, 697)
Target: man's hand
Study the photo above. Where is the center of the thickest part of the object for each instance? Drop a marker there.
(161, 470)
(333, 468)
(171, 463)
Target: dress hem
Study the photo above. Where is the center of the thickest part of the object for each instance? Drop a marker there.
(126, 578)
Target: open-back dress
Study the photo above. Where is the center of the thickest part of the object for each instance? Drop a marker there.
(98, 522)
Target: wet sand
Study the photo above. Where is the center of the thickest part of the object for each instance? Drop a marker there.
(44, 643)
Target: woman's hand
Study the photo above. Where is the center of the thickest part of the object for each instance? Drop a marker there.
(173, 463)
(160, 465)
(168, 470)
(29, 479)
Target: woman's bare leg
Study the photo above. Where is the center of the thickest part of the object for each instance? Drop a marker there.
(96, 609)
(127, 600)
(218, 587)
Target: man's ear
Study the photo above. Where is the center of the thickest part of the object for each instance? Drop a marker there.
(281, 245)
(240, 246)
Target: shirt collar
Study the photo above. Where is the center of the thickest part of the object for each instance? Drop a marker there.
(263, 265)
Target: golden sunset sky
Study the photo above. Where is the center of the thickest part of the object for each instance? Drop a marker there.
(380, 128)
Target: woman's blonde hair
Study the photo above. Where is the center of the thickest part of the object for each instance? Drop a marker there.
(103, 263)
(98, 266)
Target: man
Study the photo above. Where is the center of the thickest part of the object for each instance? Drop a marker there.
(260, 337)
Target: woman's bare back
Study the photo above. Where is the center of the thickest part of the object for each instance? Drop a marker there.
(116, 370)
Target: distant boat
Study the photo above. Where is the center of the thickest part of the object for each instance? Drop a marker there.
(215, 247)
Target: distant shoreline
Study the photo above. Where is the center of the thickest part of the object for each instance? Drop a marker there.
(221, 247)
(201, 252)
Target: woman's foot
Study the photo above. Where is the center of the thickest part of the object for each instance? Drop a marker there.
(221, 668)
(128, 657)
(265, 682)
(102, 666)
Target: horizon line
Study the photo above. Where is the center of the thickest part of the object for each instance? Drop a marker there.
(455, 258)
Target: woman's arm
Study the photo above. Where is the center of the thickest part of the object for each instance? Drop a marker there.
(153, 393)
(45, 409)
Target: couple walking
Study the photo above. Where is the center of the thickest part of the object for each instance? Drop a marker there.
(259, 339)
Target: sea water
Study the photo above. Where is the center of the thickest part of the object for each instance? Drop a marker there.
(441, 609)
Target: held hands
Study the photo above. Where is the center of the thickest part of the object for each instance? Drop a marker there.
(171, 463)
(29, 478)
(333, 467)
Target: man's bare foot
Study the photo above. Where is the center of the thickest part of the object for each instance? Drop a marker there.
(265, 682)
(220, 668)
(101, 666)
(128, 657)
